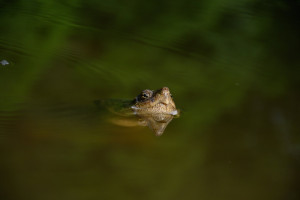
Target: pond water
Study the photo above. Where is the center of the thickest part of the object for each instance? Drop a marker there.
(232, 68)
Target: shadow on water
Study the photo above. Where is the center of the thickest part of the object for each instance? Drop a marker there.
(232, 68)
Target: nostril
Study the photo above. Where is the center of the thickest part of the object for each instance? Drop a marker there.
(165, 89)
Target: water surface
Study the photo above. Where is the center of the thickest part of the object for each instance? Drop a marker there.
(232, 68)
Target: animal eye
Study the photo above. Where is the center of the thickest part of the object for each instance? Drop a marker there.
(145, 95)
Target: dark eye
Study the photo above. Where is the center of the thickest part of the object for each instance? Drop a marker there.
(145, 95)
(171, 95)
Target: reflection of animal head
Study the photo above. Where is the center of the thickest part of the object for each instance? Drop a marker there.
(157, 122)
(154, 102)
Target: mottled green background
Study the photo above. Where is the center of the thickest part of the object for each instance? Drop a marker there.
(232, 67)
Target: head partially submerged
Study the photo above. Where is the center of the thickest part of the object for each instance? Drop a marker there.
(156, 109)
(155, 102)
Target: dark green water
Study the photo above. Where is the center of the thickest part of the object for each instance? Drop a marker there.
(232, 67)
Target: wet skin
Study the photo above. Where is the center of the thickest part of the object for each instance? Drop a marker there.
(154, 109)
(154, 102)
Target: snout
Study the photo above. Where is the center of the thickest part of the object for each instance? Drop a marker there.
(165, 91)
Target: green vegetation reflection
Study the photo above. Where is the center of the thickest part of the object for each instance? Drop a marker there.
(232, 67)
